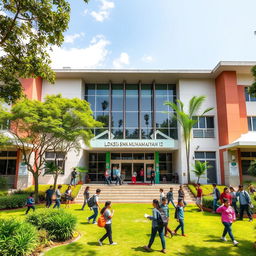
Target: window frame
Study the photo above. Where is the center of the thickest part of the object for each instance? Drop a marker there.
(58, 159)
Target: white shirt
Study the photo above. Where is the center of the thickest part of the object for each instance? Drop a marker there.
(96, 201)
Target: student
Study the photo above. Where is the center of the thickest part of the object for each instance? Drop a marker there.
(73, 177)
(162, 195)
(170, 197)
(216, 197)
(199, 197)
(134, 177)
(58, 197)
(68, 196)
(122, 175)
(48, 196)
(107, 177)
(108, 215)
(165, 209)
(30, 203)
(245, 201)
(181, 195)
(86, 196)
(152, 176)
(156, 227)
(234, 199)
(179, 216)
(95, 207)
(118, 177)
(226, 194)
(142, 175)
(228, 216)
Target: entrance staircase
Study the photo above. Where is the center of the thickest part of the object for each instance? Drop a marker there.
(132, 193)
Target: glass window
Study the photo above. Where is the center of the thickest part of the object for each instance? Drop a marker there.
(249, 123)
(159, 102)
(90, 89)
(161, 120)
(245, 154)
(138, 156)
(169, 157)
(162, 157)
(117, 89)
(101, 157)
(209, 122)
(171, 89)
(146, 133)
(91, 100)
(196, 119)
(115, 156)
(210, 155)
(146, 103)
(132, 134)
(93, 157)
(102, 89)
(253, 154)
(201, 122)
(149, 156)
(254, 123)
(146, 89)
(132, 119)
(146, 119)
(117, 103)
(3, 164)
(102, 103)
(245, 166)
(104, 118)
(11, 167)
(161, 89)
(249, 97)
(118, 133)
(117, 119)
(199, 155)
(127, 156)
(49, 155)
(132, 89)
(132, 103)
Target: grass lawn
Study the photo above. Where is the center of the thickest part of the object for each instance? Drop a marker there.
(131, 231)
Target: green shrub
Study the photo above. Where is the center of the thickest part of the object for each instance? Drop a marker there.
(43, 188)
(3, 183)
(17, 238)
(207, 189)
(13, 201)
(59, 224)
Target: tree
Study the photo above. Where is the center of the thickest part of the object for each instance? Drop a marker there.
(252, 168)
(53, 169)
(200, 169)
(186, 120)
(252, 89)
(55, 125)
(28, 29)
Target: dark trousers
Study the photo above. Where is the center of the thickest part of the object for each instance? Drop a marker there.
(166, 229)
(154, 231)
(171, 200)
(48, 202)
(245, 207)
(57, 203)
(30, 207)
(228, 229)
(153, 180)
(85, 202)
(181, 225)
(95, 214)
(108, 234)
(108, 180)
(118, 180)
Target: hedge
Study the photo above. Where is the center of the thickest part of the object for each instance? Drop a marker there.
(208, 203)
(59, 224)
(42, 189)
(13, 201)
(207, 189)
(17, 238)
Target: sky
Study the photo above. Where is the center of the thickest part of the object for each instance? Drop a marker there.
(157, 34)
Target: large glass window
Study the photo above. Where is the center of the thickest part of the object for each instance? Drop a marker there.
(204, 128)
(251, 123)
(97, 166)
(248, 97)
(58, 157)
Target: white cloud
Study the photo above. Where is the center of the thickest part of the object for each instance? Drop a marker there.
(147, 58)
(104, 10)
(121, 61)
(91, 56)
(70, 39)
(85, 12)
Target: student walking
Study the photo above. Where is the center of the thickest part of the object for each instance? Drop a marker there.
(107, 177)
(156, 227)
(199, 197)
(245, 202)
(48, 196)
(181, 195)
(228, 216)
(162, 195)
(226, 194)
(86, 196)
(153, 177)
(58, 197)
(68, 196)
(216, 197)
(165, 209)
(234, 199)
(142, 175)
(73, 177)
(108, 215)
(170, 198)
(30, 203)
(95, 206)
(118, 177)
(179, 216)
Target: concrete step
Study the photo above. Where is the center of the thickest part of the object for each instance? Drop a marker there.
(148, 201)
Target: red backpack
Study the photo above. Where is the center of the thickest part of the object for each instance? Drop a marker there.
(101, 221)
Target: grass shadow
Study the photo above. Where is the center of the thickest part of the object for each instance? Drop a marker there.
(93, 243)
(85, 223)
(141, 249)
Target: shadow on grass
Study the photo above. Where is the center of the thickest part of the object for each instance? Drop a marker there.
(86, 223)
(93, 243)
(141, 249)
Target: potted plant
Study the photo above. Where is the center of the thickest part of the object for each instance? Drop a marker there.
(81, 172)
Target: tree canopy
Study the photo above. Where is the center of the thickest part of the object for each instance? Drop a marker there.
(28, 29)
(252, 89)
(54, 125)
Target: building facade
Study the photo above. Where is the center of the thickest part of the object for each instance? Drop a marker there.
(140, 131)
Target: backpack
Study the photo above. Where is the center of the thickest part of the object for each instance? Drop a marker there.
(162, 219)
(101, 221)
(91, 201)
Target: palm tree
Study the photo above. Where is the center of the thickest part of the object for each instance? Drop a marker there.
(55, 170)
(187, 122)
(252, 168)
(200, 169)
(104, 106)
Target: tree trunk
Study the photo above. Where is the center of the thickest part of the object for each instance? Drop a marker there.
(36, 188)
(188, 155)
(55, 181)
(198, 178)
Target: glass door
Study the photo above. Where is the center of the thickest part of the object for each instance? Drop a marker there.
(148, 168)
(126, 169)
(139, 169)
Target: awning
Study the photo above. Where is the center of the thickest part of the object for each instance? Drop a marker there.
(247, 140)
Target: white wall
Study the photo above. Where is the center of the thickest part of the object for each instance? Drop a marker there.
(187, 88)
(68, 88)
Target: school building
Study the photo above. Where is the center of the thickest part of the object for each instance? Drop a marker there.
(140, 131)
